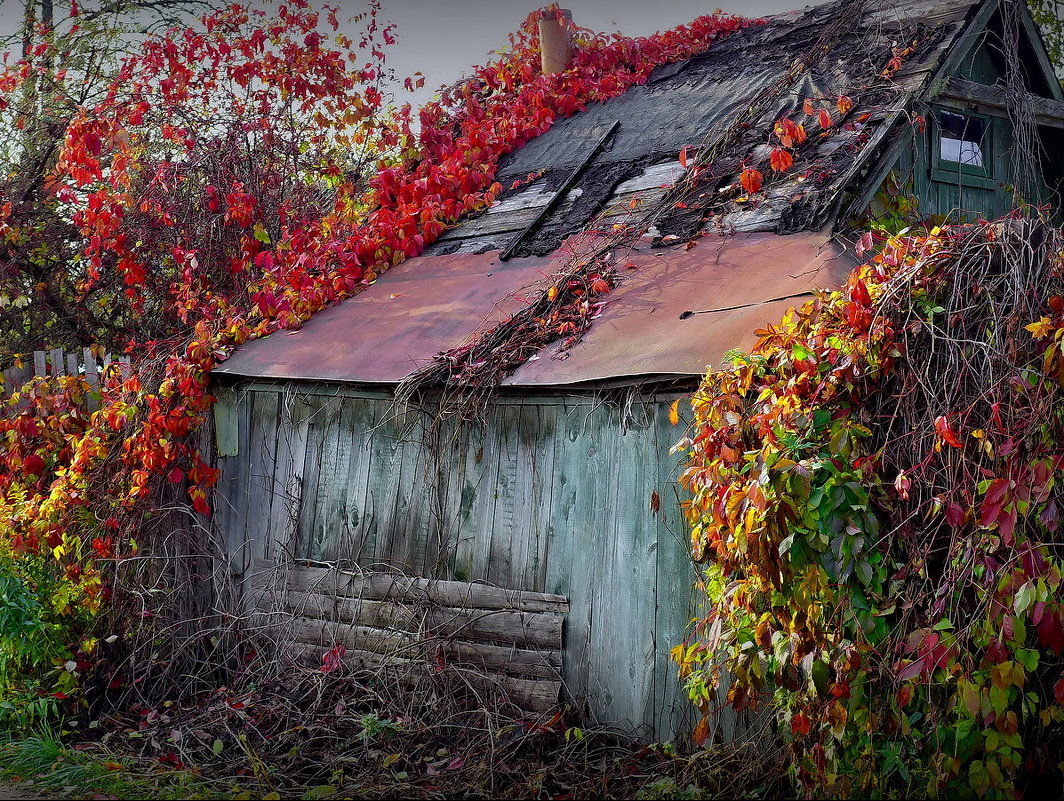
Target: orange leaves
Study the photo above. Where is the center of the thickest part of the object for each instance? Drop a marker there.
(751, 179)
(600, 286)
(781, 160)
(701, 732)
(824, 118)
(859, 293)
(789, 132)
(843, 104)
(683, 157)
(946, 433)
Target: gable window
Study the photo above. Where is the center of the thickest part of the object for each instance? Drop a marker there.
(962, 145)
(961, 139)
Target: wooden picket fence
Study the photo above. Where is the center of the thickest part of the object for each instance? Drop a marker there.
(90, 363)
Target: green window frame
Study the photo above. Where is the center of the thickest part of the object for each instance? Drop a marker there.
(962, 147)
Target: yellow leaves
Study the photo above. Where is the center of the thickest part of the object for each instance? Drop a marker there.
(984, 444)
(1040, 329)
(674, 414)
(1006, 674)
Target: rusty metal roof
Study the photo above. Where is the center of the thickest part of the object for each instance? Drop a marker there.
(434, 303)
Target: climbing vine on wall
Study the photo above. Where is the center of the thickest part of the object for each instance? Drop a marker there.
(874, 492)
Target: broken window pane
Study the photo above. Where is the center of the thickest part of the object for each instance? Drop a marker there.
(961, 139)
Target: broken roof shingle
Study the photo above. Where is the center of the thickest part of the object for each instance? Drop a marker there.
(683, 102)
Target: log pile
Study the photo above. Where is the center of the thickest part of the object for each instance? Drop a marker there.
(507, 642)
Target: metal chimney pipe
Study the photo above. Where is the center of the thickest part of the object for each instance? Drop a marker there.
(555, 44)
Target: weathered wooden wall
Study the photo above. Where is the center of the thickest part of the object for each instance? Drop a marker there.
(549, 495)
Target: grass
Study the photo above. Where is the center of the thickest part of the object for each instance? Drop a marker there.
(40, 764)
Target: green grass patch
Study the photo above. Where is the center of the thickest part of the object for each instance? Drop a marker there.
(42, 765)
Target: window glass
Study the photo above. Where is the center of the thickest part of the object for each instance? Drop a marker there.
(961, 139)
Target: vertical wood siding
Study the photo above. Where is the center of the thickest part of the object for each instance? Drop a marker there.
(548, 495)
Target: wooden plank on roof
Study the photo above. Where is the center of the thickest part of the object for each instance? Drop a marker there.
(486, 225)
(563, 191)
(655, 176)
(530, 197)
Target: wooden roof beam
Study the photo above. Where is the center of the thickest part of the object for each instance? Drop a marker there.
(992, 99)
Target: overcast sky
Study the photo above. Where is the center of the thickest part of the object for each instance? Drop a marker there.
(444, 38)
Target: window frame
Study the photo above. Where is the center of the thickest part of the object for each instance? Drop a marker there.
(955, 172)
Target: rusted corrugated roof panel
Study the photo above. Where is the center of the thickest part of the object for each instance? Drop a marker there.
(412, 312)
(432, 304)
(640, 332)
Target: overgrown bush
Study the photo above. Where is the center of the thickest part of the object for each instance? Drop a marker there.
(875, 491)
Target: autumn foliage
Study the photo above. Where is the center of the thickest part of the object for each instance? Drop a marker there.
(874, 491)
(231, 178)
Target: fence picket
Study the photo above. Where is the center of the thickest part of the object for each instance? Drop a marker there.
(55, 357)
(57, 362)
(92, 378)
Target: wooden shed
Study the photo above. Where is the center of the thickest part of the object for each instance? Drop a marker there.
(565, 485)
